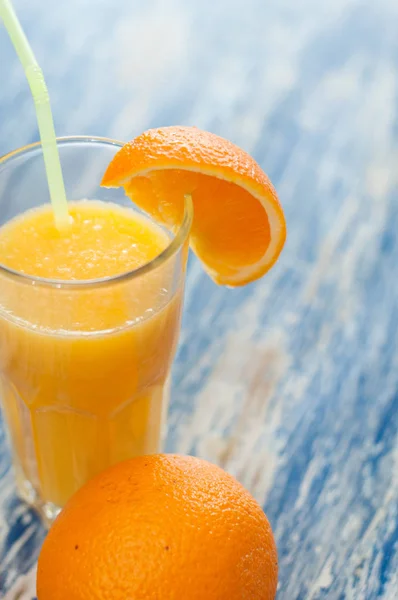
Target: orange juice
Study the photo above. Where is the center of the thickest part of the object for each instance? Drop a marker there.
(84, 365)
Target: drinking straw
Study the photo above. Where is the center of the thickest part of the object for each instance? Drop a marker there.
(45, 121)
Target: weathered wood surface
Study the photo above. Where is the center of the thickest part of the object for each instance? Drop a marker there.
(291, 384)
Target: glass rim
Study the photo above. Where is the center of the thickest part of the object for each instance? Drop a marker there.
(172, 248)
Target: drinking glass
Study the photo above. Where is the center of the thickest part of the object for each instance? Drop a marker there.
(84, 365)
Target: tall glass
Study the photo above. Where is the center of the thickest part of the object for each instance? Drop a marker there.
(84, 366)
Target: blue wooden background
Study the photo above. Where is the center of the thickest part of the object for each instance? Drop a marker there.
(291, 384)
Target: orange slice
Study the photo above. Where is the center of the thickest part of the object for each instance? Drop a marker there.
(238, 228)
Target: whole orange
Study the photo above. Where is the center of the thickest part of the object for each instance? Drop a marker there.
(161, 527)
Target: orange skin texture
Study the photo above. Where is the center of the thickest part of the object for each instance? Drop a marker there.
(163, 527)
(236, 209)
